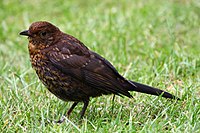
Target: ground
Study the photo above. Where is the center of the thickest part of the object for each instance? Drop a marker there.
(155, 42)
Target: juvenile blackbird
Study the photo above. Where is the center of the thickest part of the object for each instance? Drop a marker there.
(72, 72)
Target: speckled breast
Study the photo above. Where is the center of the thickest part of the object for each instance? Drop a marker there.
(55, 81)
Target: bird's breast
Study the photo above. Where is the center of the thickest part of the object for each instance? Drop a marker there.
(47, 73)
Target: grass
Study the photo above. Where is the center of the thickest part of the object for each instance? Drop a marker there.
(152, 42)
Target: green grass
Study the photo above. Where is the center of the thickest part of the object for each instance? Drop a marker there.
(156, 42)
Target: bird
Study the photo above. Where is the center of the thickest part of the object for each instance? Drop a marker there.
(73, 72)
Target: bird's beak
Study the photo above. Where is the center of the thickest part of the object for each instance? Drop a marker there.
(25, 33)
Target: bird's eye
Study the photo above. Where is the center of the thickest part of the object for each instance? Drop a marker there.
(43, 34)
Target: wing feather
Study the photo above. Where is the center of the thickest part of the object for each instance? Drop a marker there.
(89, 68)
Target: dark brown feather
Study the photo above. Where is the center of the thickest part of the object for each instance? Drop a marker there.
(72, 72)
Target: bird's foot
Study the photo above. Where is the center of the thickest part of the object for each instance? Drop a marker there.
(61, 120)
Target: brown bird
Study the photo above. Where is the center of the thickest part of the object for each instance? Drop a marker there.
(72, 72)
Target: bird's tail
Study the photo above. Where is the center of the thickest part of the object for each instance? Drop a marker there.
(151, 90)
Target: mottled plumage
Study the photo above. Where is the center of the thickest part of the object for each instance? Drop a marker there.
(72, 72)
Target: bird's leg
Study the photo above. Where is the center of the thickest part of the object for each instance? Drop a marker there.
(84, 108)
(68, 113)
(113, 102)
(72, 107)
(113, 98)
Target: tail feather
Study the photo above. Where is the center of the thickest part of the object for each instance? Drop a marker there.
(151, 90)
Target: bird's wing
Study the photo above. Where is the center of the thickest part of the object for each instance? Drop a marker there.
(88, 67)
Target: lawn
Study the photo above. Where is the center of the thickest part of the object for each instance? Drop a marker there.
(155, 42)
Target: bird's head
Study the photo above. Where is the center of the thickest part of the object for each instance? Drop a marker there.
(41, 33)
